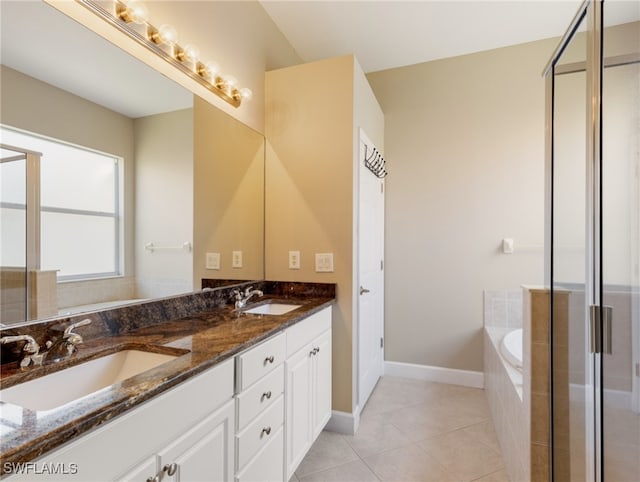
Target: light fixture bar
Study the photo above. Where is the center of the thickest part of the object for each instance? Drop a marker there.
(147, 35)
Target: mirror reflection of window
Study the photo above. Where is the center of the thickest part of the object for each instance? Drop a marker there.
(79, 207)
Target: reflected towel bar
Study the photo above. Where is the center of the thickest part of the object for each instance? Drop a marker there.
(186, 246)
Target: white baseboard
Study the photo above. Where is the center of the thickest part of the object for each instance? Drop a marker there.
(343, 422)
(451, 376)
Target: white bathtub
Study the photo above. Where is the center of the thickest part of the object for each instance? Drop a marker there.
(104, 305)
(511, 348)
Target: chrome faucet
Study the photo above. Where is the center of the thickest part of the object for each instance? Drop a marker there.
(68, 344)
(31, 349)
(241, 300)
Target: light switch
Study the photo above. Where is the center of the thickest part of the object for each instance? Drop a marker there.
(294, 259)
(213, 261)
(507, 245)
(324, 262)
(236, 259)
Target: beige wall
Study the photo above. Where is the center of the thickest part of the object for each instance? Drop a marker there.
(164, 202)
(228, 195)
(464, 143)
(312, 116)
(35, 106)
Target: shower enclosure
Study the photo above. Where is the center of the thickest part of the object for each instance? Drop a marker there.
(20, 221)
(593, 176)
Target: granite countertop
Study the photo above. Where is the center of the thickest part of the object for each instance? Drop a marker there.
(200, 341)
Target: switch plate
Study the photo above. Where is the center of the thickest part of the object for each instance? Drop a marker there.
(324, 262)
(294, 259)
(236, 259)
(213, 261)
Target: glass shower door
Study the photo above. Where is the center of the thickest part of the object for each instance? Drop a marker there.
(13, 248)
(620, 258)
(573, 365)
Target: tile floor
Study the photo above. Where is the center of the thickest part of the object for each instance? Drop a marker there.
(412, 430)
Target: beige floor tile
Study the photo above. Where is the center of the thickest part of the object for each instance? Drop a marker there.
(484, 433)
(452, 424)
(462, 456)
(375, 435)
(433, 418)
(407, 464)
(356, 471)
(328, 451)
(499, 476)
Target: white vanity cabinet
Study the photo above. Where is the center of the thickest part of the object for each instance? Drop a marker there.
(252, 418)
(191, 426)
(307, 386)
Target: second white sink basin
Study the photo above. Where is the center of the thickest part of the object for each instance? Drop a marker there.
(64, 386)
(272, 309)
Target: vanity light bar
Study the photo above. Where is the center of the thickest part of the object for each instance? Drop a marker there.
(131, 19)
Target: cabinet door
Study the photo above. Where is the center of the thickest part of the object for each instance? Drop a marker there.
(321, 383)
(298, 418)
(141, 473)
(205, 452)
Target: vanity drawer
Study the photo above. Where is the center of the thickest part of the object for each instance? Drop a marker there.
(259, 360)
(250, 440)
(302, 333)
(259, 396)
(268, 464)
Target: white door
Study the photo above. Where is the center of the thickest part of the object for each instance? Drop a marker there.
(321, 383)
(298, 413)
(370, 275)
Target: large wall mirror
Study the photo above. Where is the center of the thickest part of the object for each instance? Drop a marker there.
(144, 189)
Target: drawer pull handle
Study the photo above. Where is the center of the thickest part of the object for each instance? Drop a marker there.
(170, 469)
(314, 351)
(269, 359)
(266, 431)
(266, 395)
(154, 479)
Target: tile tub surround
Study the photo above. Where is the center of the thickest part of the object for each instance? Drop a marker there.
(508, 411)
(521, 411)
(211, 331)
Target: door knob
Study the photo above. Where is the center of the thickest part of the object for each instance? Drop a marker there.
(363, 290)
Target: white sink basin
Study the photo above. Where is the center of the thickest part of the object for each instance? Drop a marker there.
(272, 309)
(64, 386)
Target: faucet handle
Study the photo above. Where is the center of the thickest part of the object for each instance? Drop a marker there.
(248, 290)
(236, 294)
(68, 330)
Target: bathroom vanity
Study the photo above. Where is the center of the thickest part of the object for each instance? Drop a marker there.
(242, 397)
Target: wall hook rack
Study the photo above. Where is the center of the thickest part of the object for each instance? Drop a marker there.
(375, 162)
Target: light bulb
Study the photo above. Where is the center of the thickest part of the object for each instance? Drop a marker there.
(132, 11)
(212, 69)
(138, 12)
(245, 93)
(191, 52)
(230, 81)
(166, 34)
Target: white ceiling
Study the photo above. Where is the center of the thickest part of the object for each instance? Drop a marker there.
(388, 34)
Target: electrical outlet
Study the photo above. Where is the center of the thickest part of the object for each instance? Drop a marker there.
(294, 259)
(324, 262)
(236, 259)
(213, 261)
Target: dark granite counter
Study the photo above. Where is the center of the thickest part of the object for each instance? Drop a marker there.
(200, 339)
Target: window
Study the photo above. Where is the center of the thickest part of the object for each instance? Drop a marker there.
(79, 207)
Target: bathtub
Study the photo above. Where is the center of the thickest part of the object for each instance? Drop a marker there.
(104, 305)
(511, 348)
